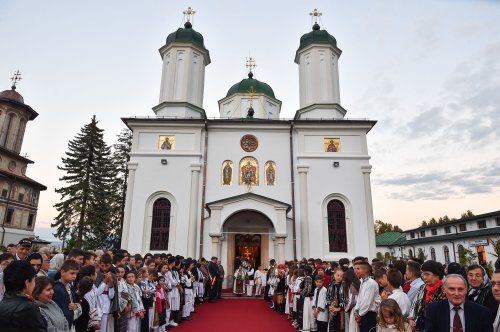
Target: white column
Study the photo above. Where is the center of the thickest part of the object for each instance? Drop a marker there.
(367, 169)
(193, 209)
(128, 204)
(215, 244)
(304, 214)
(280, 241)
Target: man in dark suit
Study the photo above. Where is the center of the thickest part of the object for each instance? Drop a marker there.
(455, 313)
(213, 276)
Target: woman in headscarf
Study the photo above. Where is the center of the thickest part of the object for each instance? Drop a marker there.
(55, 265)
(480, 289)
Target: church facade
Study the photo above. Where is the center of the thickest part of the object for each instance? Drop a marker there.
(249, 183)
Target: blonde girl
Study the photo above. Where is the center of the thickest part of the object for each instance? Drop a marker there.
(390, 318)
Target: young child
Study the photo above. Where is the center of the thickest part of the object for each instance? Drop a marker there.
(390, 318)
(319, 305)
(187, 282)
(137, 312)
(123, 300)
(336, 302)
(92, 297)
(107, 288)
(161, 304)
(65, 294)
(148, 288)
(85, 322)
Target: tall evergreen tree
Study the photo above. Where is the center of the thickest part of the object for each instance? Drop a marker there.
(121, 151)
(84, 210)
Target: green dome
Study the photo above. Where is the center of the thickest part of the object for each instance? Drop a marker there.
(186, 35)
(244, 87)
(317, 36)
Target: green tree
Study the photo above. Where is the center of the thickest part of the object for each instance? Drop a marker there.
(467, 214)
(421, 255)
(84, 210)
(121, 151)
(466, 256)
(382, 227)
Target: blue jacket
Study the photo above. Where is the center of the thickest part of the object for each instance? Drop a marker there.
(61, 297)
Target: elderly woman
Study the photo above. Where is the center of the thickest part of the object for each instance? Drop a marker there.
(43, 292)
(430, 291)
(18, 311)
(480, 289)
(55, 265)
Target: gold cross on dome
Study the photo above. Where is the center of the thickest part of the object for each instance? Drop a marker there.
(315, 14)
(188, 14)
(250, 64)
(16, 78)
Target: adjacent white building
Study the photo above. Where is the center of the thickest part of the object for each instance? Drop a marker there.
(445, 242)
(249, 183)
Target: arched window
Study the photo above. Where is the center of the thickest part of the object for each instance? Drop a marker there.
(411, 253)
(337, 237)
(387, 257)
(6, 129)
(446, 254)
(160, 228)
(433, 254)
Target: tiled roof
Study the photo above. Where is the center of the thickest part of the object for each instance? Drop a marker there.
(389, 238)
(454, 236)
(458, 221)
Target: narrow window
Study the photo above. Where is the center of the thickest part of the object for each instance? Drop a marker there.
(160, 228)
(337, 237)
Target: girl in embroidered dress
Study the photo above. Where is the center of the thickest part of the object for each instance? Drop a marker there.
(137, 308)
(161, 304)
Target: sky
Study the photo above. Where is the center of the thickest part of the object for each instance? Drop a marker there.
(427, 71)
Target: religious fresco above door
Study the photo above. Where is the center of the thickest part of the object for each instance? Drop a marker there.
(249, 171)
(331, 144)
(166, 142)
(270, 171)
(227, 173)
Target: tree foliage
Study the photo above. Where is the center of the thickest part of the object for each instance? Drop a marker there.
(445, 219)
(85, 209)
(121, 151)
(382, 227)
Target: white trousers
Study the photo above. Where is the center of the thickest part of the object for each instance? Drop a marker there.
(134, 324)
(250, 288)
(308, 321)
(188, 305)
(151, 316)
(258, 289)
(107, 323)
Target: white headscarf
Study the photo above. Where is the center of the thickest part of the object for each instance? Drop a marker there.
(56, 262)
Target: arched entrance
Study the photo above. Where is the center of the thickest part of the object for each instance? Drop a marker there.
(248, 234)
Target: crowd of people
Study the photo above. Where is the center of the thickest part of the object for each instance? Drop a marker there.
(117, 291)
(101, 291)
(358, 295)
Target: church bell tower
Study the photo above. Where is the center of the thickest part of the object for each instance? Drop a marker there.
(183, 75)
(318, 57)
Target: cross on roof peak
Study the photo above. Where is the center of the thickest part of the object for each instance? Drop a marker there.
(250, 64)
(16, 78)
(188, 14)
(315, 17)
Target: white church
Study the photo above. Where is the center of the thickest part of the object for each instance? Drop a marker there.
(249, 183)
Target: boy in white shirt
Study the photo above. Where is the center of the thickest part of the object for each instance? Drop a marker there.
(319, 305)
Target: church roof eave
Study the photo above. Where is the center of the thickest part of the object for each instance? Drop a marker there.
(249, 196)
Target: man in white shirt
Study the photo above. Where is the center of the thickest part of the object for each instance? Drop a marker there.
(495, 282)
(368, 298)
